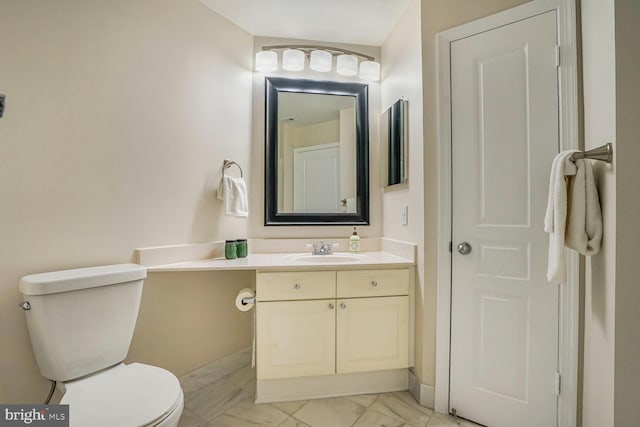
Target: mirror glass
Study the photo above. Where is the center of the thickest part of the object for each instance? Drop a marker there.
(316, 152)
(394, 144)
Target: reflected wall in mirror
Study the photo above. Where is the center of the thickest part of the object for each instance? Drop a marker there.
(394, 144)
(316, 153)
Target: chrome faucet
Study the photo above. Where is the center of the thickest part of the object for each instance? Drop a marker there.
(321, 248)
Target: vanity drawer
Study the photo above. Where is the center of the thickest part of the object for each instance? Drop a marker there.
(290, 285)
(372, 283)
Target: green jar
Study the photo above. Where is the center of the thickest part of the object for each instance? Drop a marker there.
(230, 249)
(241, 248)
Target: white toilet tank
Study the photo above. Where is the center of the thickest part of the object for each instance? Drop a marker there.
(81, 321)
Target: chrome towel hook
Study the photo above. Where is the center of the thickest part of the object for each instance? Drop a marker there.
(604, 153)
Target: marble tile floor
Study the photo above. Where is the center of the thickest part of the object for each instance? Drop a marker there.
(221, 394)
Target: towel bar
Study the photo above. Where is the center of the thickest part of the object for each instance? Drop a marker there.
(604, 153)
(228, 163)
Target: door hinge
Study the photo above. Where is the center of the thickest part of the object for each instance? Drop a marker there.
(558, 383)
(557, 56)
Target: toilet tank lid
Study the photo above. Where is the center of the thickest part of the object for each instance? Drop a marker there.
(80, 278)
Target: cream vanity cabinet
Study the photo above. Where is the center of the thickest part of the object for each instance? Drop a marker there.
(314, 323)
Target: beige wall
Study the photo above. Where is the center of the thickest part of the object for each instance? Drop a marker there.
(598, 58)
(256, 219)
(611, 60)
(436, 16)
(402, 78)
(627, 293)
(315, 134)
(187, 320)
(117, 114)
(347, 131)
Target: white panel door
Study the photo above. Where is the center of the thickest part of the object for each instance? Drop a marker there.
(295, 338)
(504, 315)
(316, 187)
(372, 334)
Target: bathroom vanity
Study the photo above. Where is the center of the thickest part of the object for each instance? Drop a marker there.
(325, 325)
(317, 326)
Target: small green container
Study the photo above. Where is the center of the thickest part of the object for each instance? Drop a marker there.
(241, 248)
(230, 249)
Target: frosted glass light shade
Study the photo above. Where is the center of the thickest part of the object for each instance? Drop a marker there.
(370, 70)
(266, 61)
(347, 65)
(293, 60)
(320, 61)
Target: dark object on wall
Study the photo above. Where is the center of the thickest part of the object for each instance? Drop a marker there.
(394, 143)
(2, 97)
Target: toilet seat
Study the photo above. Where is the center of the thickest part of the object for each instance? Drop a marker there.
(125, 395)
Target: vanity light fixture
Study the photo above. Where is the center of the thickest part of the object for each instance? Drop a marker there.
(320, 59)
(369, 70)
(347, 65)
(266, 61)
(293, 60)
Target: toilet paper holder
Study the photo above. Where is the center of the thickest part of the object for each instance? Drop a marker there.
(246, 299)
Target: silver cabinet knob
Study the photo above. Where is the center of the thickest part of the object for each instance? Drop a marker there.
(343, 305)
(296, 286)
(374, 283)
(464, 248)
(331, 306)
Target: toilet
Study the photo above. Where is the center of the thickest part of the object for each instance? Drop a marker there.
(81, 323)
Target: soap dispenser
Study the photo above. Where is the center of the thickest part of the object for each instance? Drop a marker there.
(354, 241)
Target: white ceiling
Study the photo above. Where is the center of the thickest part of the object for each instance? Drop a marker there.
(366, 22)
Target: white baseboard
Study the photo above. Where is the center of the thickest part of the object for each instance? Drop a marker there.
(318, 387)
(424, 394)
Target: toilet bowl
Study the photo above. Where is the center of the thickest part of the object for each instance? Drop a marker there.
(81, 323)
(125, 395)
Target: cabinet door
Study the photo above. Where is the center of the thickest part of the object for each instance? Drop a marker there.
(372, 334)
(295, 338)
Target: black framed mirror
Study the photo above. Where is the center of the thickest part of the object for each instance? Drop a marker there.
(316, 152)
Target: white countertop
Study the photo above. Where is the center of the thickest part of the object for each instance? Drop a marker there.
(289, 261)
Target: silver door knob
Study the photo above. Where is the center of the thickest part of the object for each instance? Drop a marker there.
(464, 248)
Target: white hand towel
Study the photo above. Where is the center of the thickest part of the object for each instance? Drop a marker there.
(233, 192)
(584, 217)
(556, 216)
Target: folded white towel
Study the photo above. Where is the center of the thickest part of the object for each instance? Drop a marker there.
(573, 217)
(584, 217)
(233, 191)
(556, 216)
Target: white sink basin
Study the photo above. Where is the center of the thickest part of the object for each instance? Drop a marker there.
(327, 259)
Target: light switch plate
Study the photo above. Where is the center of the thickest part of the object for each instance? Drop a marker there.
(404, 215)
